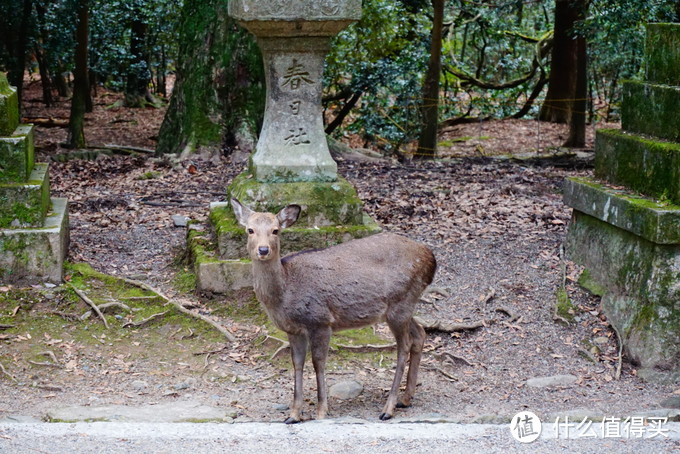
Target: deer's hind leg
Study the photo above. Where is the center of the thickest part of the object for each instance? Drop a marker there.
(417, 342)
(319, 340)
(399, 325)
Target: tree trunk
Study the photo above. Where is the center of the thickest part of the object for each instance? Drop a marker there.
(562, 80)
(16, 43)
(218, 100)
(427, 143)
(41, 56)
(81, 86)
(577, 120)
(139, 76)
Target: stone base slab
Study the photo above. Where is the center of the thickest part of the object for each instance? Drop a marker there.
(36, 255)
(654, 221)
(642, 299)
(219, 251)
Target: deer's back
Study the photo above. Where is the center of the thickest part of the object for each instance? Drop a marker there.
(352, 284)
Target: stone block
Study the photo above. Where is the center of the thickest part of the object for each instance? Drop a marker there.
(644, 165)
(219, 252)
(651, 109)
(17, 155)
(36, 255)
(662, 54)
(323, 203)
(9, 107)
(286, 18)
(231, 237)
(642, 279)
(651, 220)
(26, 204)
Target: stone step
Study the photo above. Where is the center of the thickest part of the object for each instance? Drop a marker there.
(26, 204)
(649, 166)
(219, 253)
(656, 222)
(9, 107)
(17, 155)
(662, 54)
(651, 109)
(36, 255)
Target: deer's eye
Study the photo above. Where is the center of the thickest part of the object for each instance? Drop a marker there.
(275, 231)
(251, 231)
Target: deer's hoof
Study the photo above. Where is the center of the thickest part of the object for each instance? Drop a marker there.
(403, 405)
(385, 416)
(291, 420)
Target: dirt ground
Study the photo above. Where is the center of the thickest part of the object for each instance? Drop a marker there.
(496, 229)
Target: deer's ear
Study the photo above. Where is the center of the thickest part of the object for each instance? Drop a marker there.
(242, 213)
(289, 215)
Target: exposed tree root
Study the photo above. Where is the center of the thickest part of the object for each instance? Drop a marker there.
(145, 321)
(90, 303)
(230, 337)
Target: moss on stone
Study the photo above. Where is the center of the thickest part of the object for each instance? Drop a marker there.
(662, 54)
(9, 107)
(651, 109)
(645, 165)
(26, 204)
(656, 221)
(323, 203)
(588, 282)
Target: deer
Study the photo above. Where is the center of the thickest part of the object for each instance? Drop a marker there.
(311, 294)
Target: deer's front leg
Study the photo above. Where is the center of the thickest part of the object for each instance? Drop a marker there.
(298, 351)
(319, 340)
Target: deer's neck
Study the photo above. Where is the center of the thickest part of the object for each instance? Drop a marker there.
(269, 282)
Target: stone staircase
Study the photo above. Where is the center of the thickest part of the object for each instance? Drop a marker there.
(33, 226)
(625, 227)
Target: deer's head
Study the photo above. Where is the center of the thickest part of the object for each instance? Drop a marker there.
(263, 229)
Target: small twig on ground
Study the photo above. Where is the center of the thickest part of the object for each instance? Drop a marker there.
(443, 372)
(6, 326)
(112, 146)
(509, 313)
(145, 321)
(90, 303)
(488, 296)
(2, 369)
(47, 364)
(50, 388)
(212, 352)
(454, 358)
(66, 315)
(51, 355)
(438, 325)
(283, 347)
(368, 347)
(103, 307)
(230, 337)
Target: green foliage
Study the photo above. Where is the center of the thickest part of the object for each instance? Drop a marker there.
(615, 32)
(384, 56)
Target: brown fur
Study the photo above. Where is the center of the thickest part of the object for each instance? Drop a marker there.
(311, 294)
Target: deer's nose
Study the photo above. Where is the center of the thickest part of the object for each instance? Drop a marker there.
(263, 251)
